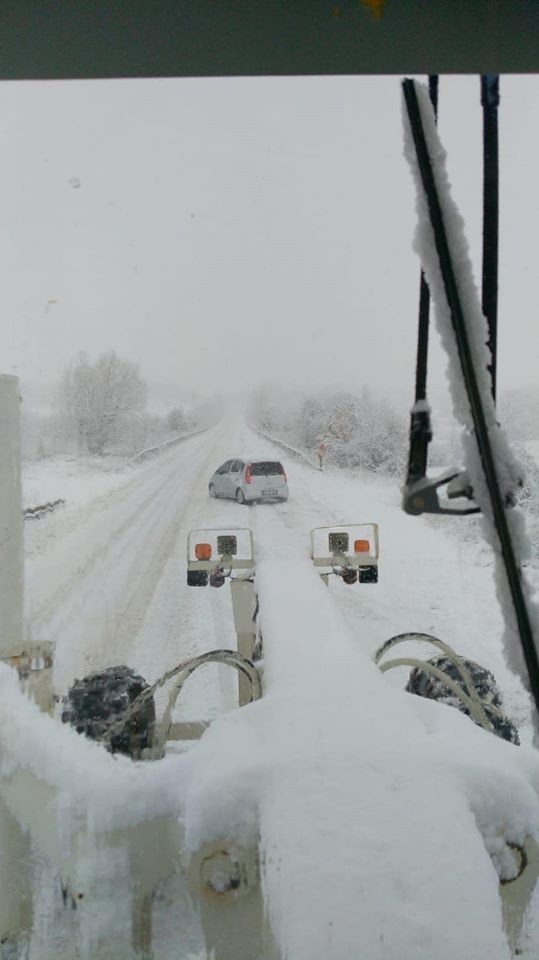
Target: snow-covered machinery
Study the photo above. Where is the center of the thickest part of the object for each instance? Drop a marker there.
(454, 680)
(54, 782)
(214, 556)
(460, 683)
(32, 660)
(50, 776)
(56, 786)
(348, 551)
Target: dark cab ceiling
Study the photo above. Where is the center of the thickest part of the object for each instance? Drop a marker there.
(53, 39)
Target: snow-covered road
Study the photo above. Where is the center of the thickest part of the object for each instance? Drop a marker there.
(431, 579)
(91, 572)
(106, 581)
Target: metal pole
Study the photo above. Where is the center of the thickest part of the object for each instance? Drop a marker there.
(490, 99)
(11, 522)
(15, 883)
(424, 292)
(420, 425)
(244, 608)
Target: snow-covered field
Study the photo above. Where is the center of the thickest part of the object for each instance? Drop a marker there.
(75, 481)
(376, 809)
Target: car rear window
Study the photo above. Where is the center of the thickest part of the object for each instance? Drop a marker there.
(266, 468)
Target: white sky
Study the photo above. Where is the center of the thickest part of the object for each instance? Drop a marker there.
(228, 232)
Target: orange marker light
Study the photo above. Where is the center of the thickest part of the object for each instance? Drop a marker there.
(203, 551)
(361, 546)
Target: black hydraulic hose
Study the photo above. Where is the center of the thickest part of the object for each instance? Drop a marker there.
(472, 388)
(490, 99)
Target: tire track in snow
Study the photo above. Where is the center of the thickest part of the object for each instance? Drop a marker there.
(124, 540)
(146, 577)
(101, 514)
(183, 621)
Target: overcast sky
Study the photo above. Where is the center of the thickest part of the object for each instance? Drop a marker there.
(222, 233)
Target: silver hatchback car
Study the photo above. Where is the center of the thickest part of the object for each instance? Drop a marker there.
(250, 481)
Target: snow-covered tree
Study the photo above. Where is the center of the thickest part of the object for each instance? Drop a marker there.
(358, 430)
(102, 401)
(176, 420)
(313, 422)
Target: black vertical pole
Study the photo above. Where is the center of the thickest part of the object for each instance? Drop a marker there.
(469, 376)
(490, 99)
(420, 429)
(424, 293)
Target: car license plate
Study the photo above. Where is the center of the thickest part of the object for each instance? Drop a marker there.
(269, 493)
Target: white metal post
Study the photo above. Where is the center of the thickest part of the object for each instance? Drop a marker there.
(11, 522)
(224, 883)
(15, 882)
(516, 894)
(244, 608)
(15, 890)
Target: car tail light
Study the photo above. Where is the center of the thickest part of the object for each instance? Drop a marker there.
(361, 546)
(248, 473)
(203, 551)
(285, 476)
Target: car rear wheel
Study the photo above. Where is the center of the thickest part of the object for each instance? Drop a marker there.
(239, 496)
(211, 489)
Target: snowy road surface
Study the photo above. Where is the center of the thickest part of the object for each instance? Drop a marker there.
(106, 582)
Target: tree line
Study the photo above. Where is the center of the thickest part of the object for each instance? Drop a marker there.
(101, 400)
(101, 407)
(357, 430)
